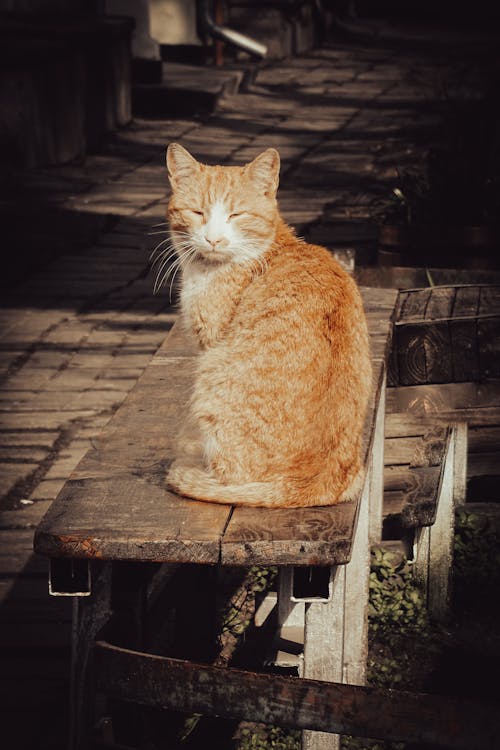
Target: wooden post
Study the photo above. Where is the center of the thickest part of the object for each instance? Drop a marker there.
(336, 634)
(324, 650)
(434, 546)
(356, 596)
(460, 463)
(377, 469)
(441, 540)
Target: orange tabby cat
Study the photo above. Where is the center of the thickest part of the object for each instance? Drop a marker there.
(283, 376)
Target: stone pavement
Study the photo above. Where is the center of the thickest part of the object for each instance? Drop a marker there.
(77, 333)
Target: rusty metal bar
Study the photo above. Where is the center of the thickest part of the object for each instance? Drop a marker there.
(452, 723)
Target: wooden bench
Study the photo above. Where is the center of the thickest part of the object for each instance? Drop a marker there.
(117, 539)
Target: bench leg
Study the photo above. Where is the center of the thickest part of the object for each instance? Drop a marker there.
(377, 470)
(460, 462)
(324, 650)
(434, 544)
(90, 614)
(336, 632)
(356, 596)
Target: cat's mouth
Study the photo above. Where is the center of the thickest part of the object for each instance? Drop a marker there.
(213, 256)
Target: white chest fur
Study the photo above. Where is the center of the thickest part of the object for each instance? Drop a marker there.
(196, 280)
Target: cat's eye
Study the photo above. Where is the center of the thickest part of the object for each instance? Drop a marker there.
(235, 215)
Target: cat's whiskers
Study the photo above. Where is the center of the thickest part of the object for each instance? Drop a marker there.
(161, 276)
(164, 262)
(172, 243)
(168, 252)
(160, 253)
(159, 247)
(183, 256)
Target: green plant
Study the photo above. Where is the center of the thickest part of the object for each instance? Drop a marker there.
(396, 604)
(476, 565)
(262, 737)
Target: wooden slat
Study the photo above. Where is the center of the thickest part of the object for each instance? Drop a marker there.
(431, 448)
(457, 724)
(394, 502)
(411, 355)
(414, 304)
(412, 485)
(421, 496)
(400, 450)
(423, 353)
(489, 301)
(484, 439)
(463, 334)
(438, 399)
(295, 536)
(408, 425)
(466, 302)
(484, 464)
(488, 337)
(440, 303)
(115, 505)
(395, 477)
(478, 465)
(438, 353)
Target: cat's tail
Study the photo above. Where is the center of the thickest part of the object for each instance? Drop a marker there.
(196, 483)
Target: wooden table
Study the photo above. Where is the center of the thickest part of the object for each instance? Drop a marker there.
(114, 522)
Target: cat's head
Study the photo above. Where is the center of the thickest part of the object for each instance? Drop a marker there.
(222, 214)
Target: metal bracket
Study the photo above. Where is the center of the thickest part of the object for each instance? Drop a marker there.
(69, 577)
(311, 584)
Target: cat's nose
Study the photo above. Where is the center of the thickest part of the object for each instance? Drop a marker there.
(213, 243)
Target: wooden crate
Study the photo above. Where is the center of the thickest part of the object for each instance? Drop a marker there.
(446, 334)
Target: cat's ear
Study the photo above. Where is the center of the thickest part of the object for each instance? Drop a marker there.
(180, 164)
(264, 171)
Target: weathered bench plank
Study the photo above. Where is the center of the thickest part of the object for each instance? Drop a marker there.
(115, 505)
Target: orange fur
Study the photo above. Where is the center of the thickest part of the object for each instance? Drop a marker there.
(284, 375)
